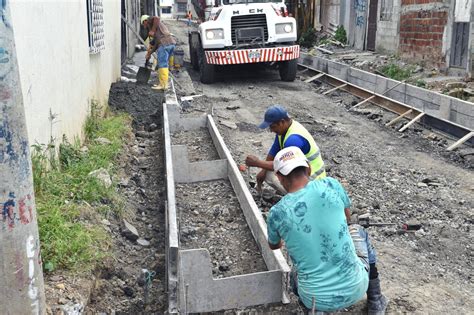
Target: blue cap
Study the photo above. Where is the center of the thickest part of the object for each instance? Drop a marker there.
(273, 114)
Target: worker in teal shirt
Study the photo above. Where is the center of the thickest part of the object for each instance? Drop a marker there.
(334, 264)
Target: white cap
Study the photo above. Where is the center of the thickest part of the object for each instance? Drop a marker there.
(288, 159)
(144, 18)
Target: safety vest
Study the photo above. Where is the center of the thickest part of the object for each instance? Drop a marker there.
(314, 155)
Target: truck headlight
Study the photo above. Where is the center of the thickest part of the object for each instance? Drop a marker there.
(284, 28)
(217, 33)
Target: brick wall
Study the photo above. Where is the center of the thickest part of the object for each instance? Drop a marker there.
(422, 26)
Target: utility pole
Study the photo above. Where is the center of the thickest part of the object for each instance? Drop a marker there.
(21, 275)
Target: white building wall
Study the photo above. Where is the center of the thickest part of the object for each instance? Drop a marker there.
(57, 73)
(388, 25)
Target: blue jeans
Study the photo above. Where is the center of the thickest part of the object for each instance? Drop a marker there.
(164, 54)
(364, 250)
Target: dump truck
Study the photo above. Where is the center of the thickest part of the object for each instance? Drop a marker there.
(244, 32)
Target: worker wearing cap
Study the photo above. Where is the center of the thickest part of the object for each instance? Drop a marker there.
(334, 265)
(289, 132)
(163, 43)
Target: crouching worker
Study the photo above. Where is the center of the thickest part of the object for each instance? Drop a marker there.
(288, 133)
(334, 264)
(162, 42)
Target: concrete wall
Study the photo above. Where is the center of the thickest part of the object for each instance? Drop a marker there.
(133, 14)
(330, 14)
(387, 40)
(57, 73)
(423, 30)
(471, 61)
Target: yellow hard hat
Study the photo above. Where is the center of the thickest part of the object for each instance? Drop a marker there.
(143, 18)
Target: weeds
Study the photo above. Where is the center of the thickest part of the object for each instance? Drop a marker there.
(341, 35)
(395, 72)
(308, 38)
(69, 202)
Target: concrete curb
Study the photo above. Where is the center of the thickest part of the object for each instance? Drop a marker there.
(191, 287)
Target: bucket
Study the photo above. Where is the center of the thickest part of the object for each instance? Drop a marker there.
(178, 57)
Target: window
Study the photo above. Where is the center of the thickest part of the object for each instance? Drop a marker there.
(386, 10)
(95, 20)
(182, 6)
(166, 10)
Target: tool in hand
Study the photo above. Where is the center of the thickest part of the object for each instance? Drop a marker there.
(143, 42)
(143, 74)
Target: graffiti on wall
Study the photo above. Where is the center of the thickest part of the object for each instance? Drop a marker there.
(360, 7)
(32, 253)
(3, 12)
(17, 211)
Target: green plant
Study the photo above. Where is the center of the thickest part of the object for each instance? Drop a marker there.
(420, 83)
(396, 72)
(308, 38)
(70, 202)
(341, 35)
(93, 120)
(323, 41)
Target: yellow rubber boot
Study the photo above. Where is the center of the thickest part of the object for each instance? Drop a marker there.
(171, 62)
(163, 74)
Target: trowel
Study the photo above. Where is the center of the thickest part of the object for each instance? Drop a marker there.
(143, 74)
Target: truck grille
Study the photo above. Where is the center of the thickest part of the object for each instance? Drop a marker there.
(248, 21)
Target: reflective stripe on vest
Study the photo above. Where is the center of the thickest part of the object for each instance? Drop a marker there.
(314, 154)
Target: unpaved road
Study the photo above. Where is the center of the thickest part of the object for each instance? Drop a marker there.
(396, 177)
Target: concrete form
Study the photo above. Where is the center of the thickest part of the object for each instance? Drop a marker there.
(435, 105)
(190, 284)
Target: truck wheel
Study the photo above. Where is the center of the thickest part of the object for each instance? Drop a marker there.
(288, 70)
(206, 71)
(193, 54)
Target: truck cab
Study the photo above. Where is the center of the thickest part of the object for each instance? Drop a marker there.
(244, 31)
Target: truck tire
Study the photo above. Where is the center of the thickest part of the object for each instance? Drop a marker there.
(288, 70)
(193, 54)
(206, 71)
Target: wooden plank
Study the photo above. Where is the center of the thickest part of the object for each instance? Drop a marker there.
(334, 89)
(363, 102)
(461, 141)
(320, 75)
(398, 118)
(414, 120)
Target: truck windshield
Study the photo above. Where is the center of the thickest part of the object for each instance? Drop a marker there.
(227, 2)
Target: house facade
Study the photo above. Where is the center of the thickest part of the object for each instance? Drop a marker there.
(69, 53)
(435, 32)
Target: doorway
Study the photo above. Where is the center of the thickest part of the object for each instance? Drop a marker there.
(372, 25)
(459, 45)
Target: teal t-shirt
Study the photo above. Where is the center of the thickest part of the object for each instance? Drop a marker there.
(313, 225)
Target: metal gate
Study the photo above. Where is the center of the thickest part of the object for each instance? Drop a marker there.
(372, 25)
(459, 46)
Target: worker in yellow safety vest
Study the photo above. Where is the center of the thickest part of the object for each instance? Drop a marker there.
(289, 133)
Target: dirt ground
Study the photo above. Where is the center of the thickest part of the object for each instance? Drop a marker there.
(396, 177)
